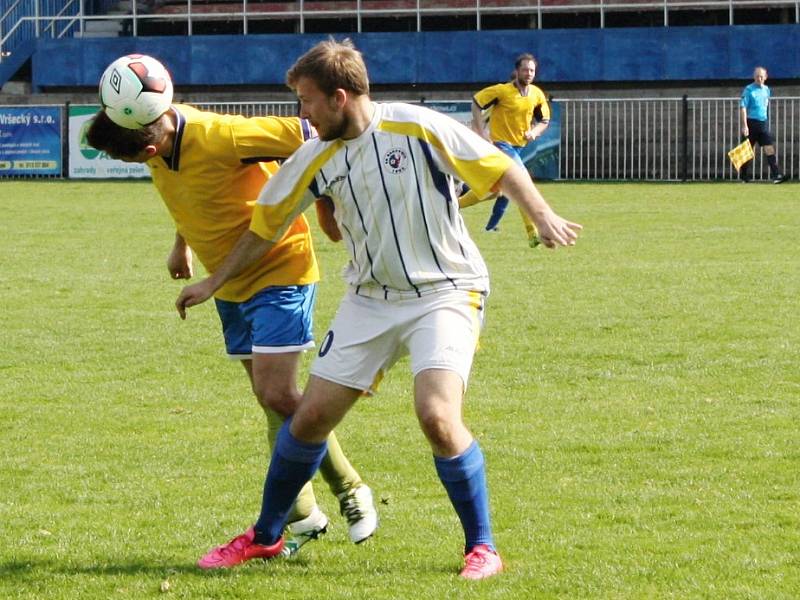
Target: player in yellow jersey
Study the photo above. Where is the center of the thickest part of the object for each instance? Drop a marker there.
(519, 115)
(416, 283)
(209, 170)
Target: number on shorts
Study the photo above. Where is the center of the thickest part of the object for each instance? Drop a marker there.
(326, 344)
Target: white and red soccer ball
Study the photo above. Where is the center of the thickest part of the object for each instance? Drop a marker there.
(135, 90)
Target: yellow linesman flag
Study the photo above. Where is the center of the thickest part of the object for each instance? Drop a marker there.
(741, 154)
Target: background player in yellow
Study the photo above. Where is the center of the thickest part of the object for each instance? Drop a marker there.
(519, 113)
(209, 170)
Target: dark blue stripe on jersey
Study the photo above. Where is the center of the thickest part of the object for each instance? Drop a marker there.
(440, 181)
(306, 128)
(251, 160)
(439, 177)
(324, 179)
(314, 187)
(361, 218)
(174, 161)
(422, 210)
(391, 216)
(492, 103)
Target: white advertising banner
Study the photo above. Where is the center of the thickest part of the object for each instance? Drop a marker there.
(460, 111)
(87, 163)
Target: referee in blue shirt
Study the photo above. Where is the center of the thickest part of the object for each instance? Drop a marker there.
(755, 123)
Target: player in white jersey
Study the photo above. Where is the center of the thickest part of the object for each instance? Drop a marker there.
(392, 189)
(417, 282)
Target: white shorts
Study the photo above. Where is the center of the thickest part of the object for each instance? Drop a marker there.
(368, 335)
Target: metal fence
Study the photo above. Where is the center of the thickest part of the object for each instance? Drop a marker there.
(22, 20)
(479, 14)
(251, 109)
(644, 139)
(621, 139)
(667, 139)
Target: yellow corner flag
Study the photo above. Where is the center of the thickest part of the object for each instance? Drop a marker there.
(741, 154)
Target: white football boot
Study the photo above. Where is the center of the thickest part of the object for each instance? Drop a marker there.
(358, 508)
(298, 533)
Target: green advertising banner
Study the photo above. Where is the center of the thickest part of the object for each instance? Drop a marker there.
(87, 163)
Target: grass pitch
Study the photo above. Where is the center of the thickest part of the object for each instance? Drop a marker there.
(637, 399)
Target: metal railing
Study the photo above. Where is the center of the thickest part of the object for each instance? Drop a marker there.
(251, 109)
(616, 139)
(302, 10)
(24, 19)
(643, 139)
(667, 139)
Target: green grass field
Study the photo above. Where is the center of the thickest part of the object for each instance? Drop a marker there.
(637, 398)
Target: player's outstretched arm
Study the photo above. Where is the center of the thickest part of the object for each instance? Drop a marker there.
(179, 261)
(247, 250)
(553, 229)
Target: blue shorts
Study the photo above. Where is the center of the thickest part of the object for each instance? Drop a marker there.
(275, 320)
(512, 151)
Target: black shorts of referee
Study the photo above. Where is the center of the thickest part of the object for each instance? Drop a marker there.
(759, 133)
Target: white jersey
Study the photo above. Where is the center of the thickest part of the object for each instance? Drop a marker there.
(395, 200)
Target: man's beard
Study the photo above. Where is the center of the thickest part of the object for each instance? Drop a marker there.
(336, 131)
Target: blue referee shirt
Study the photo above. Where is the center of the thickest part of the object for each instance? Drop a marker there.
(755, 99)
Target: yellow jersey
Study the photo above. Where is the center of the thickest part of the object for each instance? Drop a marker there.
(512, 111)
(216, 170)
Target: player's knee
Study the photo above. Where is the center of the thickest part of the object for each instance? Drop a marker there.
(440, 428)
(282, 401)
(310, 423)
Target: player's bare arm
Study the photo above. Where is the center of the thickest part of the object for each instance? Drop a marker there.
(536, 130)
(247, 250)
(478, 123)
(326, 219)
(745, 128)
(553, 229)
(179, 261)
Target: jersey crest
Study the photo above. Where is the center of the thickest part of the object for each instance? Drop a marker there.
(395, 161)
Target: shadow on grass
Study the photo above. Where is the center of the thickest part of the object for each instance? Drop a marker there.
(283, 568)
(37, 567)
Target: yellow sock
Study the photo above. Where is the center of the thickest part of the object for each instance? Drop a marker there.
(336, 470)
(471, 198)
(530, 230)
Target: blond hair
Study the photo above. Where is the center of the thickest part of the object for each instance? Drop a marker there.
(332, 65)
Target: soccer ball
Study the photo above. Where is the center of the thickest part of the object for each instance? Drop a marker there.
(135, 90)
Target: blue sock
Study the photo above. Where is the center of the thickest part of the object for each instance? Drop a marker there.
(498, 210)
(464, 478)
(293, 464)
